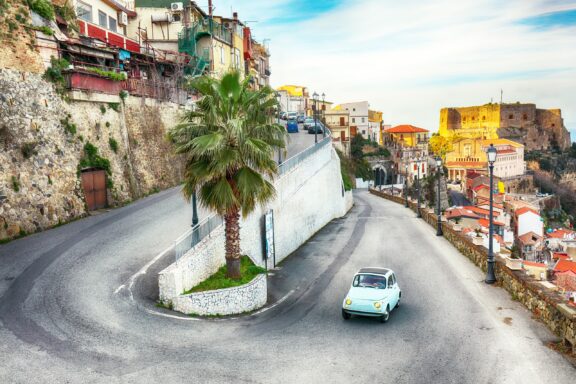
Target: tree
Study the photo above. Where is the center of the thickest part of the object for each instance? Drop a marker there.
(440, 145)
(228, 142)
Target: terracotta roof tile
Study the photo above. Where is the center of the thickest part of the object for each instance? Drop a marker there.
(565, 265)
(534, 264)
(406, 129)
(523, 210)
(529, 238)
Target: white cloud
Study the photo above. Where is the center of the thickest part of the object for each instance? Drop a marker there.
(410, 58)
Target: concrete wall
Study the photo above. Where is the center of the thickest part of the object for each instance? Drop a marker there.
(544, 303)
(39, 158)
(308, 197)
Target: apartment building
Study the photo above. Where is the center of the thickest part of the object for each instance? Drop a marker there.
(359, 117)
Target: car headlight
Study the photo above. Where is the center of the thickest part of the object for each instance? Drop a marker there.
(377, 305)
(348, 301)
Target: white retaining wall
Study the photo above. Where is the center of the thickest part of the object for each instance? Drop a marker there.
(227, 301)
(308, 197)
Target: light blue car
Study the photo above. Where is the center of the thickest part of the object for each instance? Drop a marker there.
(374, 292)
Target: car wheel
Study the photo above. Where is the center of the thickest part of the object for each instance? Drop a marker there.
(398, 303)
(386, 315)
(346, 315)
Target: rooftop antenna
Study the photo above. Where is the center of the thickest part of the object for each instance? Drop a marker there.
(501, 94)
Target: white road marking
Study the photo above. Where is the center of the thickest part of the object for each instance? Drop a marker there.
(142, 271)
(171, 316)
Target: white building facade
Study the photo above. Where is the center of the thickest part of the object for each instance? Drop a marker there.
(358, 117)
(528, 221)
(510, 159)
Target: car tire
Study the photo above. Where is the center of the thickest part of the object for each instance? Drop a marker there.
(398, 303)
(386, 315)
(346, 315)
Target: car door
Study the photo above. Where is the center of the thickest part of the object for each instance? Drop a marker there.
(395, 290)
(390, 292)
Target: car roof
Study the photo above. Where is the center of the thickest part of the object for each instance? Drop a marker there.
(375, 270)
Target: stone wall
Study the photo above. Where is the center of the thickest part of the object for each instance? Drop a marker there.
(41, 144)
(545, 304)
(229, 301)
(308, 197)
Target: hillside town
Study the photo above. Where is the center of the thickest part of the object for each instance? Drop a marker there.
(172, 209)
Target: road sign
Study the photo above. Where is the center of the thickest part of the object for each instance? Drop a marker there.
(269, 237)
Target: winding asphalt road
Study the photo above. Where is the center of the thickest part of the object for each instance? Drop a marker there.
(77, 306)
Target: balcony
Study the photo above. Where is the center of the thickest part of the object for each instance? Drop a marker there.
(208, 27)
(111, 38)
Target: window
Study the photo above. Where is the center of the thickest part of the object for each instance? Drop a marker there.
(84, 11)
(525, 117)
(363, 120)
(222, 58)
(111, 24)
(176, 17)
(102, 19)
(372, 281)
(510, 117)
(353, 119)
(483, 118)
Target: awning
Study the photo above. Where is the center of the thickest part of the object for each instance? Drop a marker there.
(91, 52)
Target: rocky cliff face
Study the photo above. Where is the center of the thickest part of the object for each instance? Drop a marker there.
(41, 143)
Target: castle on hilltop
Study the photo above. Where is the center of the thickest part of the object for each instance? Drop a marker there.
(536, 129)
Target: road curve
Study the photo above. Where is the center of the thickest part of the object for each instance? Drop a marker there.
(68, 316)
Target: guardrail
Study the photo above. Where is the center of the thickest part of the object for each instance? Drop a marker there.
(293, 161)
(195, 235)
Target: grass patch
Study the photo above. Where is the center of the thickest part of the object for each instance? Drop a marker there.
(219, 280)
(113, 144)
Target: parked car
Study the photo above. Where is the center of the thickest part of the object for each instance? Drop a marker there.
(283, 115)
(374, 292)
(292, 115)
(319, 128)
(308, 122)
(300, 119)
(292, 126)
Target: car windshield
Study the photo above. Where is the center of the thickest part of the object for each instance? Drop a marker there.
(369, 281)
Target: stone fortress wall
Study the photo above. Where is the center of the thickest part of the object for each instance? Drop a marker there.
(41, 143)
(537, 129)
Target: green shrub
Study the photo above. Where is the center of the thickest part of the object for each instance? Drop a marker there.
(219, 280)
(115, 76)
(54, 73)
(42, 7)
(45, 30)
(107, 124)
(123, 95)
(92, 159)
(15, 184)
(69, 127)
(113, 144)
(28, 149)
(114, 106)
(103, 109)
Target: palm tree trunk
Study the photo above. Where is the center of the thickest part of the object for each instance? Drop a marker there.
(232, 229)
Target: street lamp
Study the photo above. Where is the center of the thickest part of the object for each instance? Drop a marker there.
(490, 276)
(278, 97)
(323, 118)
(406, 186)
(439, 172)
(315, 98)
(418, 213)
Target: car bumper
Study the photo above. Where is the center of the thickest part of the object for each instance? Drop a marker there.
(363, 311)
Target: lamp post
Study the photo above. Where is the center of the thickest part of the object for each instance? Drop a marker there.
(278, 97)
(418, 213)
(439, 172)
(323, 118)
(406, 186)
(194, 211)
(490, 276)
(315, 98)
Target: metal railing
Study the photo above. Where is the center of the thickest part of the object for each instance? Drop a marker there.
(195, 235)
(293, 161)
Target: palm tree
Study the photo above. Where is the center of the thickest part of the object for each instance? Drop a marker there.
(229, 141)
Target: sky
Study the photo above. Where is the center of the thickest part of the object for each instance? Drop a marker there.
(410, 58)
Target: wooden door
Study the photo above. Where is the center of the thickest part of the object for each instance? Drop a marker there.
(94, 185)
(353, 131)
(342, 121)
(342, 135)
